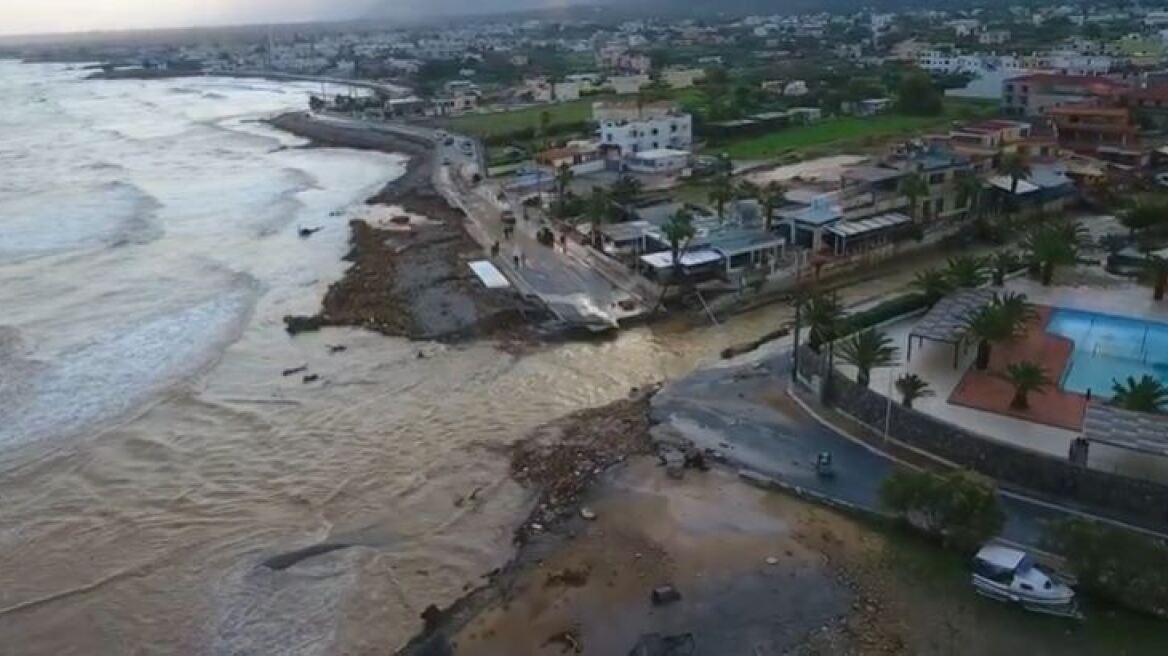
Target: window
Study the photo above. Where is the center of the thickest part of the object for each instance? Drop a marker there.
(673, 127)
(655, 132)
(936, 178)
(940, 205)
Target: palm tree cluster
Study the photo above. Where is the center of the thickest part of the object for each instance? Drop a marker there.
(999, 321)
(964, 272)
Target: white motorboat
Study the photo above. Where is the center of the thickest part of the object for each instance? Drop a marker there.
(1008, 574)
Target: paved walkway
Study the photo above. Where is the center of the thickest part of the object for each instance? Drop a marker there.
(745, 412)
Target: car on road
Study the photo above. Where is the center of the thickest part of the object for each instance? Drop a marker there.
(448, 141)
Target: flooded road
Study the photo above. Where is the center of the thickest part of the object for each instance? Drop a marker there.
(152, 451)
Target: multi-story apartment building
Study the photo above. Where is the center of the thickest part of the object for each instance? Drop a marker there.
(624, 137)
(1106, 132)
(1033, 95)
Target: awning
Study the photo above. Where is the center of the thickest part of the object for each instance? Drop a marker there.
(664, 259)
(946, 321)
(1006, 183)
(865, 226)
(1126, 429)
(490, 275)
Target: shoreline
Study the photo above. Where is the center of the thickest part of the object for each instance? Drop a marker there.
(411, 280)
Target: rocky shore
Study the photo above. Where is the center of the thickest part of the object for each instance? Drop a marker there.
(409, 277)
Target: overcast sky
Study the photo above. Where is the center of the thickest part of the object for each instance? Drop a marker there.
(36, 16)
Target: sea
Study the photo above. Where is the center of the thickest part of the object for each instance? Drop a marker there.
(155, 449)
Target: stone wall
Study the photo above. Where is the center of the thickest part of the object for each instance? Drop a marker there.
(1135, 501)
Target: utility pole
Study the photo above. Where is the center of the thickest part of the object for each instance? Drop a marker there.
(798, 317)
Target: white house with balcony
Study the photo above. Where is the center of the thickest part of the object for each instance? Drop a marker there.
(652, 133)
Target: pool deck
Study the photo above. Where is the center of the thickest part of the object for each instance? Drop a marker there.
(1054, 406)
(934, 363)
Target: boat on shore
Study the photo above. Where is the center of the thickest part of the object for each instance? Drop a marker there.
(1011, 575)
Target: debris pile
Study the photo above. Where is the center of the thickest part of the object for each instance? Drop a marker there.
(562, 458)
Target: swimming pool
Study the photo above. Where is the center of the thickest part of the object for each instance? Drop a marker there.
(1109, 348)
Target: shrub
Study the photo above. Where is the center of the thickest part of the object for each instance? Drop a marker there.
(1119, 565)
(890, 309)
(960, 508)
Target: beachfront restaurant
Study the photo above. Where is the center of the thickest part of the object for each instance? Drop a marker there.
(821, 227)
(721, 253)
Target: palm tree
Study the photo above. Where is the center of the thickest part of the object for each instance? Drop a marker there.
(997, 322)
(773, 196)
(564, 175)
(913, 186)
(624, 191)
(868, 350)
(1053, 245)
(1001, 263)
(933, 284)
(1156, 268)
(969, 189)
(678, 230)
(1144, 395)
(1016, 307)
(720, 194)
(823, 315)
(599, 209)
(1026, 377)
(1015, 167)
(966, 271)
(911, 388)
(1144, 217)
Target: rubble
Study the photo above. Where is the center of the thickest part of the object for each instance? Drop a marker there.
(562, 458)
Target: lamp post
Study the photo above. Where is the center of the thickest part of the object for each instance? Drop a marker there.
(888, 406)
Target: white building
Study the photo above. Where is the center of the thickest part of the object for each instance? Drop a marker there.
(628, 137)
(682, 78)
(796, 88)
(663, 161)
(627, 84)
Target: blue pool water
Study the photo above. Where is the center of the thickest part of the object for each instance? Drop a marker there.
(1110, 348)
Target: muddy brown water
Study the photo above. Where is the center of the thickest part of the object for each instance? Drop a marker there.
(146, 537)
(154, 455)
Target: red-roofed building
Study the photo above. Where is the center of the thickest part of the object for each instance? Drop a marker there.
(1032, 95)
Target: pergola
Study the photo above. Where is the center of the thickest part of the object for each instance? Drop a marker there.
(1126, 429)
(945, 322)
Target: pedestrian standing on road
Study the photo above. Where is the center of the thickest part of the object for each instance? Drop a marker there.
(516, 258)
(495, 249)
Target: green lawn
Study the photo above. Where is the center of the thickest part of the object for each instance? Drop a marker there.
(495, 123)
(847, 131)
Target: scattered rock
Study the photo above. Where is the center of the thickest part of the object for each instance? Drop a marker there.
(572, 578)
(588, 514)
(310, 378)
(665, 594)
(337, 348)
(308, 232)
(400, 219)
(295, 370)
(569, 640)
(431, 617)
(771, 560)
(695, 459)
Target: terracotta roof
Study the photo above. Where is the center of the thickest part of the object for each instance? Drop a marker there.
(1083, 80)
